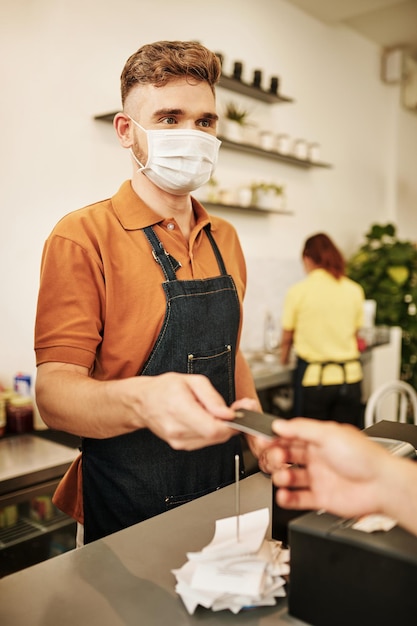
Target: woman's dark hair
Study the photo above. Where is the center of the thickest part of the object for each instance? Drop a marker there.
(323, 252)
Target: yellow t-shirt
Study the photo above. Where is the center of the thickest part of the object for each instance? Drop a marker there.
(325, 313)
(101, 303)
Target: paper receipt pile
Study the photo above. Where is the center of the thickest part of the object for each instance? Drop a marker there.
(238, 569)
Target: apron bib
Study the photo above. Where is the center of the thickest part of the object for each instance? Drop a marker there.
(132, 477)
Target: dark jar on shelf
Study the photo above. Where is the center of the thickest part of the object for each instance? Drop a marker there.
(274, 85)
(237, 70)
(257, 79)
(19, 415)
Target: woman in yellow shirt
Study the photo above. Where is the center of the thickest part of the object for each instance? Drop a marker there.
(321, 317)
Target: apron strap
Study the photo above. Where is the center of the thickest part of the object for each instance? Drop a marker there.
(168, 263)
(216, 251)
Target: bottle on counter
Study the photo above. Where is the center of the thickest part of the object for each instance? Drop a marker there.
(19, 415)
(271, 335)
(22, 384)
(5, 397)
(2, 416)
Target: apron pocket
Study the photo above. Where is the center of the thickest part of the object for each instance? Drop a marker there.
(217, 364)
(173, 501)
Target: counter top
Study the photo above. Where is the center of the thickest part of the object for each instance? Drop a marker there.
(27, 459)
(268, 371)
(272, 374)
(125, 579)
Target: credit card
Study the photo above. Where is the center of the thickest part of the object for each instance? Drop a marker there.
(254, 423)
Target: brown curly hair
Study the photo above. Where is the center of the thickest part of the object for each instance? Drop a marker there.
(158, 63)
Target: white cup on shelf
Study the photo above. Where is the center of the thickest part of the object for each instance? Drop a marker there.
(267, 140)
(283, 144)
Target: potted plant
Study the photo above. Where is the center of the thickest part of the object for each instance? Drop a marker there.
(386, 267)
(268, 196)
(208, 192)
(234, 122)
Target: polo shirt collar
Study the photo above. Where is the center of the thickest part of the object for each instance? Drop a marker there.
(134, 214)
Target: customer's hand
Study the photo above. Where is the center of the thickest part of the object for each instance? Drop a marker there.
(324, 465)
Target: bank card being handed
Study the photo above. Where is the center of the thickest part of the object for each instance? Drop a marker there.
(254, 423)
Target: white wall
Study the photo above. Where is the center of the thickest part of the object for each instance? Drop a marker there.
(60, 65)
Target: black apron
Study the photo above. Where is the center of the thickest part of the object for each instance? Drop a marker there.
(132, 477)
(343, 390)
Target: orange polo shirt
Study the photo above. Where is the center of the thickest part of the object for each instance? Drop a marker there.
(101, 304)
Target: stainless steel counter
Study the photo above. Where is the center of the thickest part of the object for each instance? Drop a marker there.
(267, 375)
(126, 580)
(28, 459)
(32, 530)
(267, 371)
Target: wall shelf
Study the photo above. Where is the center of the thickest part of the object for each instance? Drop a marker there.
(232, 84)
(106, 117)
(276, 156)
(246, 209)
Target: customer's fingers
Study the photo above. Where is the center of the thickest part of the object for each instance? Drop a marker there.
(295, 499)
(291, 476)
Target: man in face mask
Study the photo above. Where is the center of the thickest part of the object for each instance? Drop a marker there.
(139, 311)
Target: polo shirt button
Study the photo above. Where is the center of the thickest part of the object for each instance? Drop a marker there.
(170, 226)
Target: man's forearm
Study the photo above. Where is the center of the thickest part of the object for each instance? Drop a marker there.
(72, 401)
(185, 410)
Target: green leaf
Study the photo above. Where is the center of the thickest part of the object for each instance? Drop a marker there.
(398, 273)
(386, 267)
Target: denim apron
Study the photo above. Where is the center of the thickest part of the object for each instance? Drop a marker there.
(132, 477)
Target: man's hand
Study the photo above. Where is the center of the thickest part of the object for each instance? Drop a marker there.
(183, 409)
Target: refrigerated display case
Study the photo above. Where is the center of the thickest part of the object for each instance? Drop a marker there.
(32, 529)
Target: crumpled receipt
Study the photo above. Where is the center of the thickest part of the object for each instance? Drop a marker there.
(374, 522)
(238, 569)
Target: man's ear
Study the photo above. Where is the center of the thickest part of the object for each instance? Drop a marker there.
(123, 126)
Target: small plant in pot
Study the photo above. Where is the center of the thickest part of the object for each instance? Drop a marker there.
(268, 196)
(208, 192)
(234, 122)
(236, 114)
(212, 190)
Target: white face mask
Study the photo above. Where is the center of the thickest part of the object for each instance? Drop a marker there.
(179, 160)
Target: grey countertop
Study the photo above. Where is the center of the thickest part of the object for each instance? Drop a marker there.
(27, 459)
(271, 374)
(267, 371)
(126, 580)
